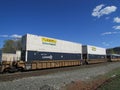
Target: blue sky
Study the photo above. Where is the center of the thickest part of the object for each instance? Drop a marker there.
(93, 22)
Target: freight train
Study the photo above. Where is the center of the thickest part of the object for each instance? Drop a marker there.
(40, 52)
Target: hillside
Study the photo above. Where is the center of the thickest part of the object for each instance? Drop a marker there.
(115, 50)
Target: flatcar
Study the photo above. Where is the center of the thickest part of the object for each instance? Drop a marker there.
(40, 52)
(93, 54)
(113, 57)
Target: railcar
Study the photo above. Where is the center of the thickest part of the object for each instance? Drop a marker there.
(40, 52)
(113, 57)
(93, 54)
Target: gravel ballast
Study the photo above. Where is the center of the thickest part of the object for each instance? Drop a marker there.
(57, 80)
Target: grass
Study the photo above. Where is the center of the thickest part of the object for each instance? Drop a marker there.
(113, 72)
(113, 82)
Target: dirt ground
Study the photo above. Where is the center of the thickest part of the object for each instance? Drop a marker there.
(88, 85)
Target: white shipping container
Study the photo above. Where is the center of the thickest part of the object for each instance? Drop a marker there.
(88, 49)
(11, 56)
(45, 44)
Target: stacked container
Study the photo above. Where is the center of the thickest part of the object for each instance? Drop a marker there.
(43, 48)
(93, 52)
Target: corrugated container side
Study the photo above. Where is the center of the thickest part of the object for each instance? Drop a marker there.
(44, 48)
(24, 42)
(84, 49)
(39, 43)
(11, 56)
(0, 56)
(96, 50)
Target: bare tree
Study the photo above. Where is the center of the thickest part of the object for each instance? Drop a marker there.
(10, 46)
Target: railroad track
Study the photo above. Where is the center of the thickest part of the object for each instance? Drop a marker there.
(19, 75)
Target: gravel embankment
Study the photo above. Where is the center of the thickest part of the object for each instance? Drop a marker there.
(57, 80)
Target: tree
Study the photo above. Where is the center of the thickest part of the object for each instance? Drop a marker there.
(18, 44)
(10, 46)
(112, 51)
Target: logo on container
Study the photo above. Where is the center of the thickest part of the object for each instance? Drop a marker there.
(93, 49)
(49, 41)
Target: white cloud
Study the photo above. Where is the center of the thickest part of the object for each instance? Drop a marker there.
(15, 36)
(116, 27)
(99, 11)
(106, 33)
(96, 10)
(11, 36)
(109, 33)
(116, 20)
(105, 44)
